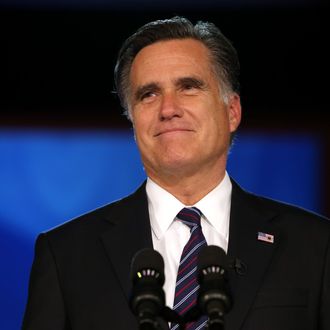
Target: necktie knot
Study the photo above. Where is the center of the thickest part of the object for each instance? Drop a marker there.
(190, 216)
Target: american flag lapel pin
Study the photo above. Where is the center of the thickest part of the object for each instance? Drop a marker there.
(265, 237)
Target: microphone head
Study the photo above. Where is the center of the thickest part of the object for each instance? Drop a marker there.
(211, 257)
(214, 298)
(147, 296)
(147, 263)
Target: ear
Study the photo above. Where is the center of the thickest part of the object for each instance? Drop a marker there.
(234, 112)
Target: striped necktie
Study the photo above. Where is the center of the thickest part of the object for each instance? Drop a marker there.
(186, 283)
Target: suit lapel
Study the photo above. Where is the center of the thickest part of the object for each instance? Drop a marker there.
(248, 218)
(130, 232)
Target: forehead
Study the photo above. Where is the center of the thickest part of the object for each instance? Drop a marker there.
(174, 55)
(177, 45)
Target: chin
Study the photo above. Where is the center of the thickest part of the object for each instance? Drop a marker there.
(176, 165)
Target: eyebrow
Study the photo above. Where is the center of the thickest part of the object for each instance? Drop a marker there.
(152, 87)
(179, 82)
(193, 81)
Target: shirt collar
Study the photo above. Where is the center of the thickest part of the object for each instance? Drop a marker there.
(215, 206)
(163, 208)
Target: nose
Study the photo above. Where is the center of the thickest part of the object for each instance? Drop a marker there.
(169, 107)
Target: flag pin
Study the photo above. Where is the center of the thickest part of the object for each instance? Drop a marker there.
(265, 237)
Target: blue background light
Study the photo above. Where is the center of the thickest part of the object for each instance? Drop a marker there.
(48, 177)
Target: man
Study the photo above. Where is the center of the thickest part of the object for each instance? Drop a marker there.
(179, 85)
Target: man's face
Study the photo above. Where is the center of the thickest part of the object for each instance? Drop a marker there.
(180, 120)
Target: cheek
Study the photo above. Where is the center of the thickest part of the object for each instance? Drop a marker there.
(138, 119)
(218, 128)
(141, 128)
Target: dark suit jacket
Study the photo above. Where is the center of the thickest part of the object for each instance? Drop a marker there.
(80, 275)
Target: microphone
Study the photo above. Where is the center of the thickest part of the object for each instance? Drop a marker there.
(213, 299)
(238, 266)
(147, 299)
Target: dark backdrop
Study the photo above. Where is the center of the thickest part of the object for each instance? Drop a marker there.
(56, 62)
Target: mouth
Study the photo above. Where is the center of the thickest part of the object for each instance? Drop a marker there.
(172, 130)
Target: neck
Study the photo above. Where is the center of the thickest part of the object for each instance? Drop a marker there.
(190, 189)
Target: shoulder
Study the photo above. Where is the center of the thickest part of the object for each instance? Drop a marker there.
(278, 211)
(100, 219)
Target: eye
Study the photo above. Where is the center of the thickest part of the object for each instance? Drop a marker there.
(148, 96)
(190, 88)
(146, 93)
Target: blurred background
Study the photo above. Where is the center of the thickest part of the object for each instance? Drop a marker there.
(65, 148)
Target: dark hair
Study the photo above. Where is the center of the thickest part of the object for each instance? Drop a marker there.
(223, 54)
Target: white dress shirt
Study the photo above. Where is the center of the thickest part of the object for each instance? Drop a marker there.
(169, 237)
